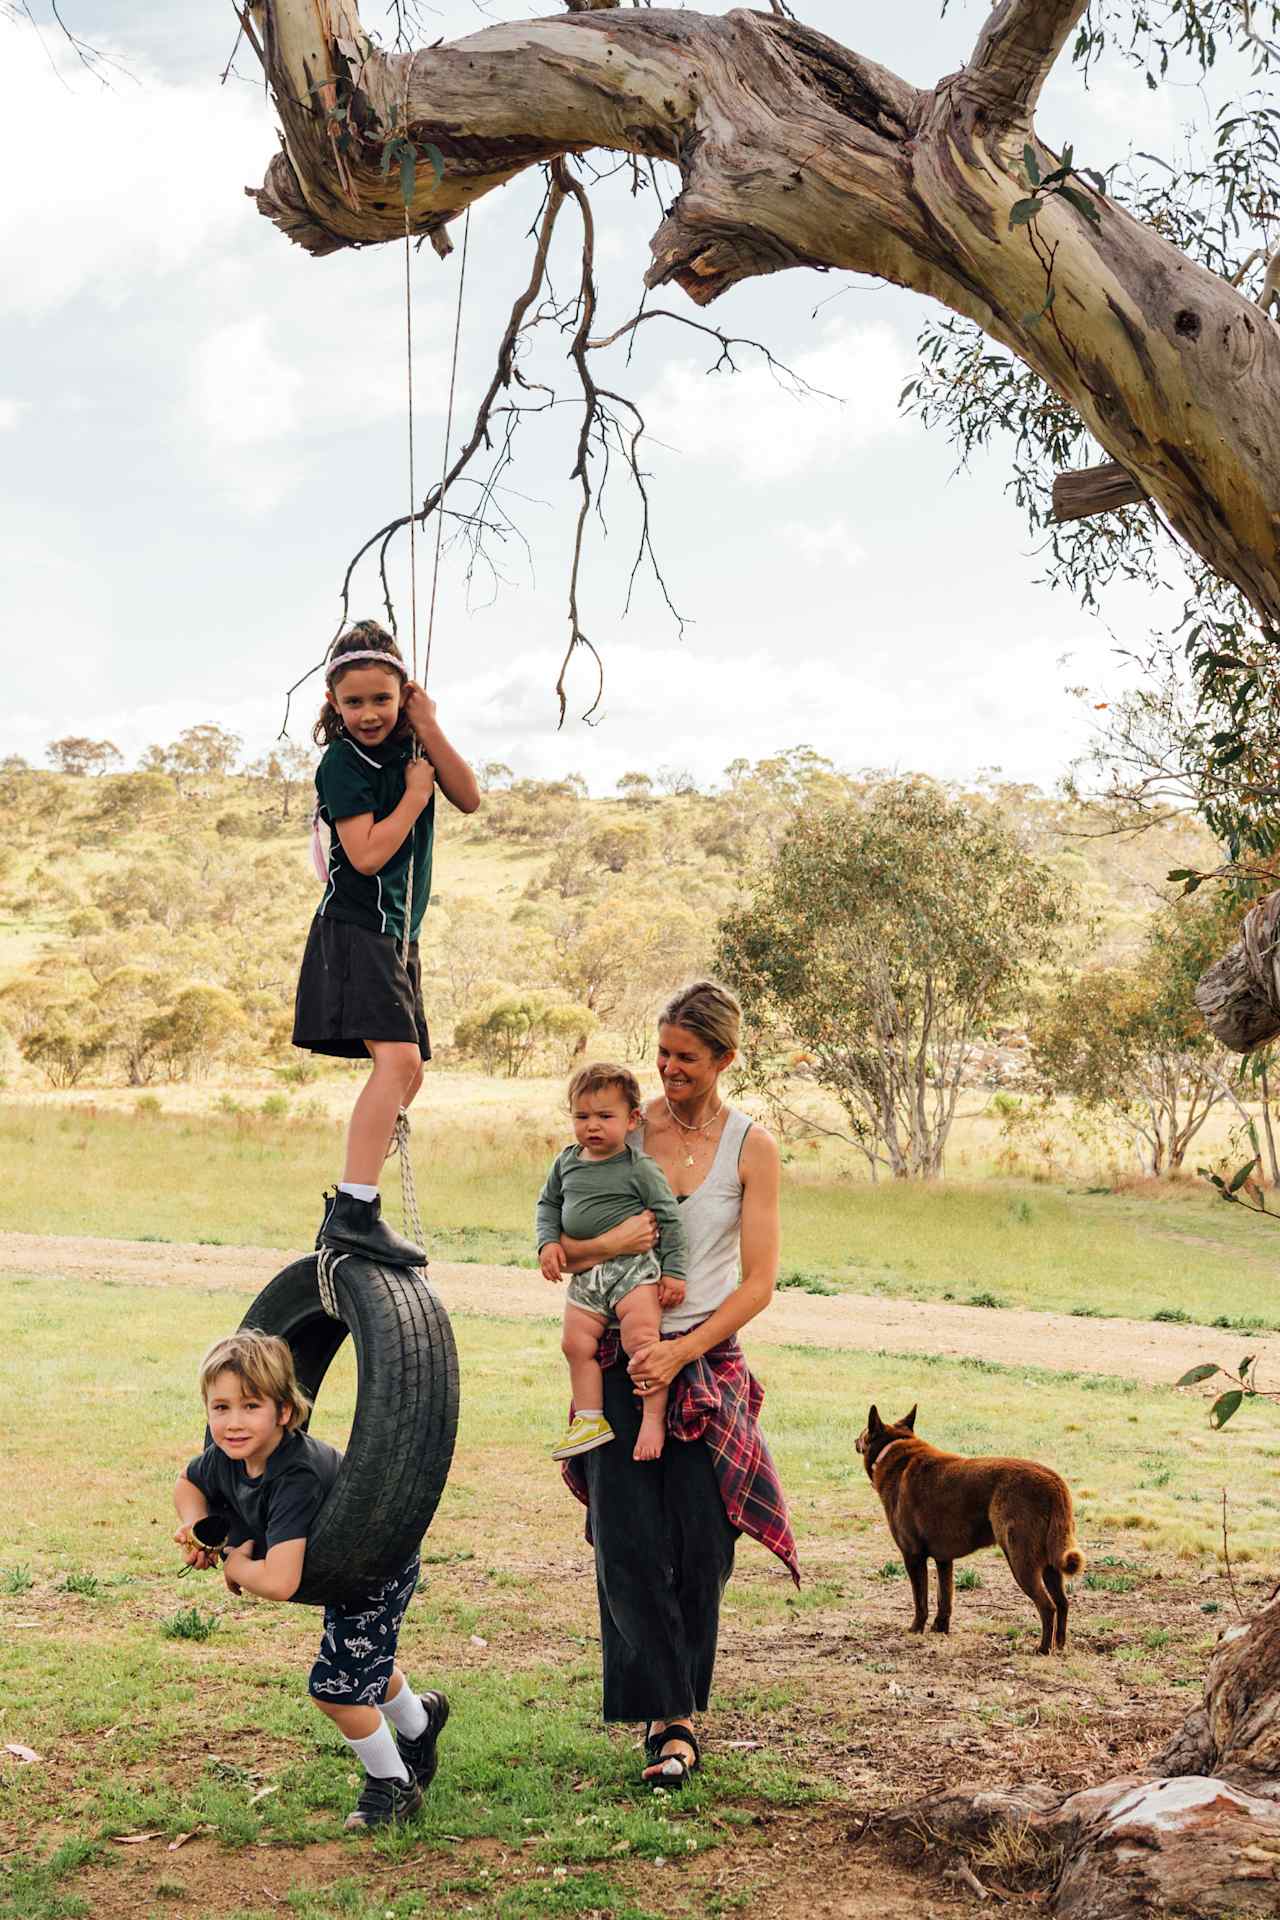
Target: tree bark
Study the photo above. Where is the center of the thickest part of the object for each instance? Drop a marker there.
(1089, 490)
(795, 151)
(1199, 1835)
(1239, 995)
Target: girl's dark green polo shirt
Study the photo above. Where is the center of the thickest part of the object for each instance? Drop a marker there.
(351, 780)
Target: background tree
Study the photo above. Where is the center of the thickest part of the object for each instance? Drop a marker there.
(76, 755)
(877, 945)
(1128, 1040)
(207, 751)
(66, 1044)
(636, 788)
(517, 1030)
(285, 771)
(203, 1023)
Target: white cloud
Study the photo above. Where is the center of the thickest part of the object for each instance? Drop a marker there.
(133, 181)
(763, 428)
(829, 542)
(11, 412)
(243, 391)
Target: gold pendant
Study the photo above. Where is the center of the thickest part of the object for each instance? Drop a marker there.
(688, 1157)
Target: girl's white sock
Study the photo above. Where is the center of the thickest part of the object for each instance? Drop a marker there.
(357, 1190)
(588, 1413)
(406, 1713)
(379, 1755)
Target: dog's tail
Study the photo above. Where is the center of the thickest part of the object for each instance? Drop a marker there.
(1064, 1553)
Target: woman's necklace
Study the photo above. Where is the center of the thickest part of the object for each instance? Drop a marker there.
(686, 1127)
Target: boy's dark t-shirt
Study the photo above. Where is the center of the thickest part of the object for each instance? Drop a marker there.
(351, 780)
(282, 1503)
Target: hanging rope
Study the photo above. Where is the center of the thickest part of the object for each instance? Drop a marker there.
(400, 1138)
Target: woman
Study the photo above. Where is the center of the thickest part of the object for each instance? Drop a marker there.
(664, 1531)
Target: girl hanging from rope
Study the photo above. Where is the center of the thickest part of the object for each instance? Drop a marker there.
(360, 989)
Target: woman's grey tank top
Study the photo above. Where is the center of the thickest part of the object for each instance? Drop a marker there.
(712, 1218)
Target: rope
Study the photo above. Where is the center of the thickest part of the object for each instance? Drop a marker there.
(400, 1138)
(328, 1260)
(408, 1191)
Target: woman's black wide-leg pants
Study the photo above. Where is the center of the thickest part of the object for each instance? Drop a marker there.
(664, 1553)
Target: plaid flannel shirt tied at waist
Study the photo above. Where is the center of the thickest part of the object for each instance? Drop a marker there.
(718, 1399)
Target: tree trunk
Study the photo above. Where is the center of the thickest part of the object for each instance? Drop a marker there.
(796, 151)
(1273, 1169)
(1199, 1835)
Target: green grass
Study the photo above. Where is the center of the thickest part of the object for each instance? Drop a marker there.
(250, 1179)
(97, 1411)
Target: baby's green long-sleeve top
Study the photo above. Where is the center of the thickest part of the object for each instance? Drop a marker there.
(584, 1198)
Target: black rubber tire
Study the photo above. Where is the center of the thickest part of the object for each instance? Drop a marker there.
(406, 1418)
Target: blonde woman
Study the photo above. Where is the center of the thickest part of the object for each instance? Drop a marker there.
(665, 1531)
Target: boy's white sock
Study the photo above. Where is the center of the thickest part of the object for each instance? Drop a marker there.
(379, 1755)
(588, 1413)
(406, 1713)
(357, 1189)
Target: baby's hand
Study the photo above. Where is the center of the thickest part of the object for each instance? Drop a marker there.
(551, 1259)
(670, 1291)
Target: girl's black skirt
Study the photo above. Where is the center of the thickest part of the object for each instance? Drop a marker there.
(355, 987)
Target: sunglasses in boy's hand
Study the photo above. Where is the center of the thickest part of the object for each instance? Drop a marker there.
(209, 1532)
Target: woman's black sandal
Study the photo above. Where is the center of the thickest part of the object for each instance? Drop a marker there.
(675, 1768)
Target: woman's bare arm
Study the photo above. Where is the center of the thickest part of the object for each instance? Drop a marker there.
(761, 1169)
(635, 1235)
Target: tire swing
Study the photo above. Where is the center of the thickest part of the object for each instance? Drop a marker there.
(401, 1446)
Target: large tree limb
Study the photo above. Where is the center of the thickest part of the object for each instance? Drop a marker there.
(793, 150)
(1014, 56)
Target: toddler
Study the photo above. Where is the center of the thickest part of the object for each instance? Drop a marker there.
(596, 1184)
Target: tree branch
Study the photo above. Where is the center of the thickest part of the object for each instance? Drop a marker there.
(1014, 57)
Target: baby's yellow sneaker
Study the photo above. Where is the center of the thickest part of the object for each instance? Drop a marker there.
(582, 1436)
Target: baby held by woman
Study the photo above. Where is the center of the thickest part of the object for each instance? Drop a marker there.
(595, 1184)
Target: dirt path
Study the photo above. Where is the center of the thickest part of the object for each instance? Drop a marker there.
(1143, 1350)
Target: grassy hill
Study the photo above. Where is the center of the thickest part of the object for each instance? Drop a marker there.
(121, 893)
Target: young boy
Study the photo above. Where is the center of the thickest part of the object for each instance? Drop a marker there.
(269, 1480)
(596, 1184)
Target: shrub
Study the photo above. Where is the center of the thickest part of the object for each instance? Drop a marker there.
(188, 1623)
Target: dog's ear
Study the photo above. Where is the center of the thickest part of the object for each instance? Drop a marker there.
(874, 1422)
(908, 1420)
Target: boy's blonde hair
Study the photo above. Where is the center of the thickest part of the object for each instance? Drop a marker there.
(602, 1074)
(263, 1364)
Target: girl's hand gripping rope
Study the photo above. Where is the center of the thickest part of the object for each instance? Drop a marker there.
(419, 779)
(418, 708)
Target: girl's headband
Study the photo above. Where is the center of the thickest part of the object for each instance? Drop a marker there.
(343, 660)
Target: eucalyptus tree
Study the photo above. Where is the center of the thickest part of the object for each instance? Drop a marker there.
(1119, 309)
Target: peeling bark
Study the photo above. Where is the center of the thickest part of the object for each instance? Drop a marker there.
(1200, 1835)
(794, 150)
(1089, 490)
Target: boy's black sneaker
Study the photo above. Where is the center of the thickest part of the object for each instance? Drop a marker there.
(357, 1226)
(420, 1755)
(385, 1803)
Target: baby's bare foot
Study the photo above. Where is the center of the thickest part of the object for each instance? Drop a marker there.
(649, 1440)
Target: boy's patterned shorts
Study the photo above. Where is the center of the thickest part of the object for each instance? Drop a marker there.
(358, 1646)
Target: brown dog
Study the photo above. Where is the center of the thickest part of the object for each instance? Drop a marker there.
(941, 1506)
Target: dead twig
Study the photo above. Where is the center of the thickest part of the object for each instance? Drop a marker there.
(1226, 1554)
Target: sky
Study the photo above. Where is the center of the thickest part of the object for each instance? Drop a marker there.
(199, 424)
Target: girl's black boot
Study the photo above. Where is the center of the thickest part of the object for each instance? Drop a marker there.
(357, 1226)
